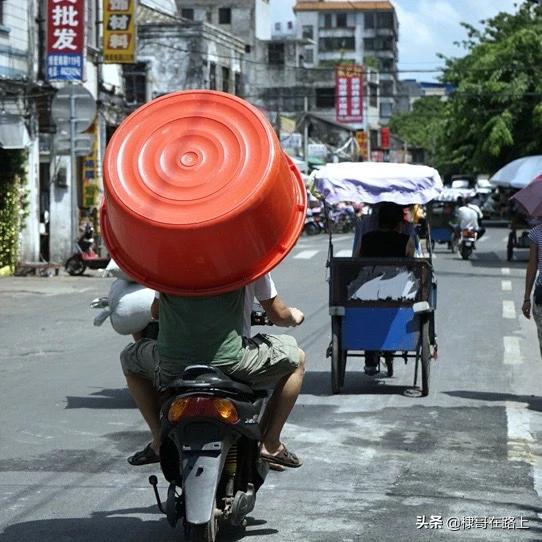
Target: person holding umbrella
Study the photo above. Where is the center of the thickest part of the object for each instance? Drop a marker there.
(529, 199)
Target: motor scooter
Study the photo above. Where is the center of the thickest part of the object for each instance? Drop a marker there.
(209, 450)
(84, 255)
(313, 221)
(467, 239)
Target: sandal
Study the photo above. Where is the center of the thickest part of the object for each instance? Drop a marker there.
(144, 457)
(284, 458)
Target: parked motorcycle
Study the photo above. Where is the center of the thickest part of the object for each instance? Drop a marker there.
(467, 239)
(84, 255)
(313, 221)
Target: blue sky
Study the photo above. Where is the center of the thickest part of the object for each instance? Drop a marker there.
(426, 27)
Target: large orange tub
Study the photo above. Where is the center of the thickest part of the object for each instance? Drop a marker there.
(199, 197)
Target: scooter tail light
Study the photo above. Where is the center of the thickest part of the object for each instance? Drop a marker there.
(202, 406)
(226, 410)
(176, 409)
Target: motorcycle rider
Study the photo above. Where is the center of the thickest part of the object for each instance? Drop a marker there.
(469, 217)
(213, 330)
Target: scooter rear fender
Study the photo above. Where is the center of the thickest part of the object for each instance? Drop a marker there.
(203, 447)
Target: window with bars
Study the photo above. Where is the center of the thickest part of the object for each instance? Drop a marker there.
(308, 32)
(212, 76)
(342, 20)
(275, 54)
(237, 84)
(337, 44)
(225, 79)
(135, 83)
(325, 97)
(224, 16)
(187, 13)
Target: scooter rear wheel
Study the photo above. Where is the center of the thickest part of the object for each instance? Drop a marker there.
(74, 266)
(205, 532)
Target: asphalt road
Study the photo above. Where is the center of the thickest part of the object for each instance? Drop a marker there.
(464, 462)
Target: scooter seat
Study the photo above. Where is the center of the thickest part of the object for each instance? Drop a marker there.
(202, 377)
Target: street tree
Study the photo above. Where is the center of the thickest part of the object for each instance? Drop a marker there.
(494, 113)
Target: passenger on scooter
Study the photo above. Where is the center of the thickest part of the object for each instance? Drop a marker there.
(215, 330)
(386, 242)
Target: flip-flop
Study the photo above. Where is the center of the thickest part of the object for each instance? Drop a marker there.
(284, 458)
(144, 457)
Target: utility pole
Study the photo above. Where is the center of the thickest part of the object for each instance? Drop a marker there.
(306, 130)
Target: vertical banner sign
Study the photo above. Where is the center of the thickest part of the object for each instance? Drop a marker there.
(361, 138)
(65, 40)
(119, 31)
(349, 93)
(91, 172)
(385, 138)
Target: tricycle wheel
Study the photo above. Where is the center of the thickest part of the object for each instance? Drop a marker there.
(338, 358)
(425, 354)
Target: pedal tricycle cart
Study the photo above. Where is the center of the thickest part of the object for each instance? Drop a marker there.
(383, 305)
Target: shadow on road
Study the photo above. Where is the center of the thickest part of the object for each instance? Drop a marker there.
(105, 398)
(534, 402)
(105, 526)
(355, 383)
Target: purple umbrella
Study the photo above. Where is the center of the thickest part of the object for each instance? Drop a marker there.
(530, 198)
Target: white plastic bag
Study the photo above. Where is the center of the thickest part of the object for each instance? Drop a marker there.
(113, 270)
(130, 306)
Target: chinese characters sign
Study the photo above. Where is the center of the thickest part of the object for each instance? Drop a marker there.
(385, 138)
(363, 144)
(91, 171)
(349, 93)
(65, 40)
(119, 31)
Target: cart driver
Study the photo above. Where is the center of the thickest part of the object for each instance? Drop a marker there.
(386, 242)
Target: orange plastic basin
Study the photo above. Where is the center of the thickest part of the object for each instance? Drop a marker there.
(200, 199)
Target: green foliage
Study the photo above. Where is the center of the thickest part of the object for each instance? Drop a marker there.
(495, 113)
(421, 126)
(13, 204)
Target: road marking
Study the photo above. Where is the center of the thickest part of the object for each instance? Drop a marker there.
(306, 254)
(519, 433)
(512, 352)
(505, 270)
(508, 309)
(506, 285)
(345, 253)
(522, 445)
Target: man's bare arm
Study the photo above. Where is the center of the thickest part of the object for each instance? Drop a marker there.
(280, 314)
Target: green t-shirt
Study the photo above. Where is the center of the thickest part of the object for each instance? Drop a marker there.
(206, 330)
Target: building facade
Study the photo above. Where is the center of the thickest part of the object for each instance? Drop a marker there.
(19, 149)
(359, 32)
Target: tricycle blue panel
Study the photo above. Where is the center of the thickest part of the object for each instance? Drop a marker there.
(441, 235)
(380, 328)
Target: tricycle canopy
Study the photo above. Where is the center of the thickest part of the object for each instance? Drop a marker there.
(375, 182)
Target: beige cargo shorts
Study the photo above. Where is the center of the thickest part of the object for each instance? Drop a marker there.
(264, 361)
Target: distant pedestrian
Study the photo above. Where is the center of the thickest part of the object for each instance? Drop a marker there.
(534, 266)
